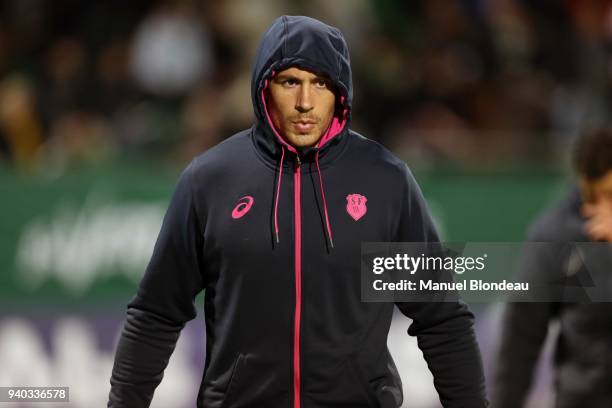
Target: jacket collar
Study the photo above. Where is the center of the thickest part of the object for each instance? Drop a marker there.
(270, 150)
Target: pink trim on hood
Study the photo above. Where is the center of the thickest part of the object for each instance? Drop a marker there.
(335, 127)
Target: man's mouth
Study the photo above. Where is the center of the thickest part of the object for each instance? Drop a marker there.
(304, 126)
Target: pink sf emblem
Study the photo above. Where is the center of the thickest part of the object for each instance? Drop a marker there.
(243, 207)
(356, 206)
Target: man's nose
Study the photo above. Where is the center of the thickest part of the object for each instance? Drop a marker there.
(304, 101)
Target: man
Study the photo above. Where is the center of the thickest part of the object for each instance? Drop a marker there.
(269, 223)
(583, 374)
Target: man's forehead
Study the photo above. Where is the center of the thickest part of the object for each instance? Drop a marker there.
(299, 73)
(599, 185)
(604, 183)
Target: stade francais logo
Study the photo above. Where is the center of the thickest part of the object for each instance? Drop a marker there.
(356, 206)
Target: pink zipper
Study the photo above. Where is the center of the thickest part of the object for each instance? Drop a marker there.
(298, 285)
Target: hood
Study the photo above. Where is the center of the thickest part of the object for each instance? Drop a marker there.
(306, 43)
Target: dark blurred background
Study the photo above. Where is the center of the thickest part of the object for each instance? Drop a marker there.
(103, 102)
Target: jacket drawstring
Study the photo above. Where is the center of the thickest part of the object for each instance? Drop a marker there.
(329, 232)
(322, 188)
(278, 183)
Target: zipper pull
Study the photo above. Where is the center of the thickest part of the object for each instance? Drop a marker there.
(298, 162)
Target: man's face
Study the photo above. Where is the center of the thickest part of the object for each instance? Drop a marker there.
(301, 106)
(597, 207)
(599, 191)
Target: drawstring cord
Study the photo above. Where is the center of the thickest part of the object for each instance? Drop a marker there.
(278, 183)
(329, 232)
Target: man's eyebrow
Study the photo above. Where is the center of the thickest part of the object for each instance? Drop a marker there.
(283, 77)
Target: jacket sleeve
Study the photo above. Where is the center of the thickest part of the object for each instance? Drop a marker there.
(163, 304)
(444, 330)
(524, 329)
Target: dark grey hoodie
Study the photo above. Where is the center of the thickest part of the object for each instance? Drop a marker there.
(273, 235)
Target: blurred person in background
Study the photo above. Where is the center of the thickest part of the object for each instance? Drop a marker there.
(583, 374)
(270, 224)
(20, 128)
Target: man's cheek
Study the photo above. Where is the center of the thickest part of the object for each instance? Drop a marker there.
(607, 205)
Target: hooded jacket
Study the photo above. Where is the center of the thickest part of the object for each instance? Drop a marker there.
(273, 236)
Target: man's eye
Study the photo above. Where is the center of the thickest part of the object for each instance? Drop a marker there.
(290, 82)
(321, 83)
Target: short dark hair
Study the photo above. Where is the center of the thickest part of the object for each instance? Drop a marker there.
(593, 153)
